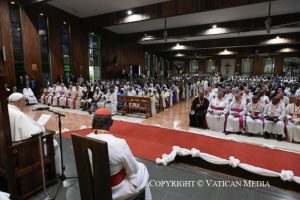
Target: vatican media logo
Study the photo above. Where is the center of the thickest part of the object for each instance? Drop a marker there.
(209, 183)
(229, 184)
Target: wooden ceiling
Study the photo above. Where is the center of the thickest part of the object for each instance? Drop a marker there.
(240, 24)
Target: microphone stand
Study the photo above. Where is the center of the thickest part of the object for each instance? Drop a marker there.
(61, 177)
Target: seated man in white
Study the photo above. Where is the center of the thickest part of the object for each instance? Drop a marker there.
(215, 116)
(23, 127)
(61, 92)
(4, 196)
(46, 94)
(74, 102)
(134, 174)
(293, 117)
(254, 119)
(274, 113)
(236, 119)
(55, 90)
(29, 95)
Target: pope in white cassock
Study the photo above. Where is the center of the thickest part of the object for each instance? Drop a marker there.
(215, 116)
(23, 127)
(293, 116)
(254, 119)
(134, 175)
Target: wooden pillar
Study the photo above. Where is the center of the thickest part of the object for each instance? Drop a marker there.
(278, 65)
(257, 65)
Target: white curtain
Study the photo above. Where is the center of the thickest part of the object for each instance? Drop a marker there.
(285, 175)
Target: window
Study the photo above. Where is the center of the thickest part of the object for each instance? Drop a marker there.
(67, 50)
(16, 33)
(94, 57)
(210, 66)
(291, 66)
(247, 65)
(43, 32)
(268, 66)
(147, 62)
(153, 67)
(161, 66)
(194, 66)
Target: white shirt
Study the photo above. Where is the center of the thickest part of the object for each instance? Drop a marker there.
(22, 126)
(297, 93)
(28, 92)
(278, 110)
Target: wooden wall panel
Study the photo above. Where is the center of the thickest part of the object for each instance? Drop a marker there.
(31, 47)
(78, 39)
(116, 55)
(7, 68)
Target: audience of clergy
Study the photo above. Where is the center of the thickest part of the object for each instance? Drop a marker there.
(239, 104)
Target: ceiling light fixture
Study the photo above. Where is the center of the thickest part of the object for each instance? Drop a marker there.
(41, 14)
(65, 22)
(129, 12)
(12, 2)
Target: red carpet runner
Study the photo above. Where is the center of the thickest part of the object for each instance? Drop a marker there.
(150, 142)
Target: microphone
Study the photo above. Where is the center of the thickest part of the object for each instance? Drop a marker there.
(41, 108)
(37, 134)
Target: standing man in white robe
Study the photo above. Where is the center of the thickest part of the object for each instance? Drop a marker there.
(215, 116)
(293, 117)
(274, 113)
(254, 119)
(135, 175)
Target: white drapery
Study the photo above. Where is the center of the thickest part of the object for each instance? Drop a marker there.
(285, 175)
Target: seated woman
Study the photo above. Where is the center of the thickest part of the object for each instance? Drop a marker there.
(198, 111)
(128, 176)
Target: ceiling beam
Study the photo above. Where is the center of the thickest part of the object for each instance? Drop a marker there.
(163, 10)
(200, 30)
(250, 51)
(217, 45)
(25, 3)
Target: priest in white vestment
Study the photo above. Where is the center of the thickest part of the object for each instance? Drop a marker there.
(236, 119)
(274, 113)
(29, 95)
(128, 176)
(215, 116)
(293, 117)
(254, 119)
(46, 94)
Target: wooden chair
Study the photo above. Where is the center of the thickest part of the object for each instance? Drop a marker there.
(95, 180)
(20, 162)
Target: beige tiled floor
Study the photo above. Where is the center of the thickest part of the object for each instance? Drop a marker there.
(176, 117)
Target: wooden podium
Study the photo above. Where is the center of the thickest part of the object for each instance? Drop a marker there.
(20, 162)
